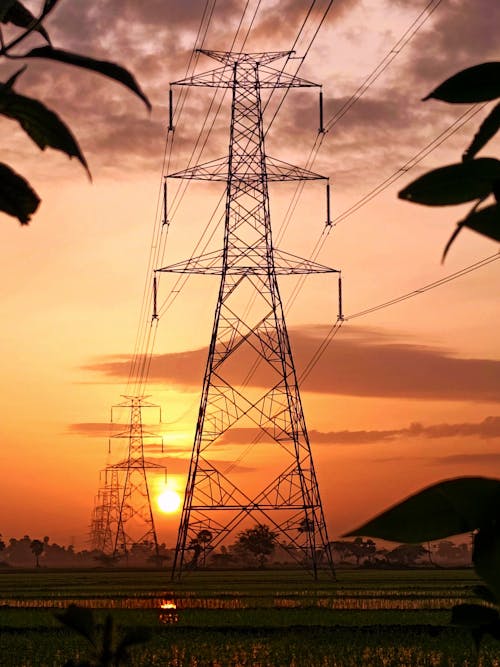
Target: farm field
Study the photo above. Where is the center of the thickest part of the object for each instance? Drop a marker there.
(272, 618)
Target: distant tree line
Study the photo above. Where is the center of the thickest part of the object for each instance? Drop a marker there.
(255, 547)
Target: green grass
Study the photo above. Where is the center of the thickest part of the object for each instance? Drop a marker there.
(271, 619)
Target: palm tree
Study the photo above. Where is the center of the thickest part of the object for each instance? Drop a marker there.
(37, 547)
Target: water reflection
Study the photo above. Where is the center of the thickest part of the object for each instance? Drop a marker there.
(170, 606)
(168, 612)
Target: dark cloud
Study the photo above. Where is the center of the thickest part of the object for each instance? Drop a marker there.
(155, 40)
(360, 362)
(461, 34)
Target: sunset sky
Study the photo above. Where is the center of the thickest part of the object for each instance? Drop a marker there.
(401, 398)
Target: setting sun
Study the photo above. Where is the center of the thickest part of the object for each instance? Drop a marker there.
(169, 501)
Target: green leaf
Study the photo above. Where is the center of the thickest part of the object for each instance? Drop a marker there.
(489, 127)
(43, 126)
(17, 198)
(19, 15)
(79, 619)
(486, 557)
(104, 67)
(454, 184)
(448, 508)
(480, 83)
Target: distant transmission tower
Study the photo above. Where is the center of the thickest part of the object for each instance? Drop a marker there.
(134, 522)
(106, 515)
(250, 341)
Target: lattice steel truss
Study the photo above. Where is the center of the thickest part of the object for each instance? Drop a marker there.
(250, 339)
(106, 514)
(135, 524)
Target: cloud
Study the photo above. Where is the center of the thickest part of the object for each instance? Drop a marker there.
(461, 35)
(489, 428)
(95, 429)
(280, 23)
(359, 362)
(491, 458)
(154, 40)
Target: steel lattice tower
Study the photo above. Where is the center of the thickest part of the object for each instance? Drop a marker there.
(135, 522)
(106, 514)
(249, 265)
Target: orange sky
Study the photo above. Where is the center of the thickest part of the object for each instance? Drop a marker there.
(72, 282)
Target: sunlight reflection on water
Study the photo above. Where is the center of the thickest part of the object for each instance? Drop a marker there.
(169, 605)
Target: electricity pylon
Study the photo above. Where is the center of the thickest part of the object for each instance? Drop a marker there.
(105, 518)
(135, 522)
(249, 338)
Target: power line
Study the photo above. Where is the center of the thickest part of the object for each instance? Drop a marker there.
(402, 42)
(426, 288)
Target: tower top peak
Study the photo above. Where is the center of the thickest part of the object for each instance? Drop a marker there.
(233, 57)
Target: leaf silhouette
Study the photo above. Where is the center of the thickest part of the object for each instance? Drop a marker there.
(480, 83)
(19, 15)
(79, 619)
(485, 221)
(486, 557)
(454, 183)
(489, 127)
(448, 508)
(104, 67)
(40, 123)
(17, 198)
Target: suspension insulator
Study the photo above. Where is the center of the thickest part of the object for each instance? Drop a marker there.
(165, 208)
(321, 129)
(155, 291)
(341, 312)
(328, 214)
(170, 110)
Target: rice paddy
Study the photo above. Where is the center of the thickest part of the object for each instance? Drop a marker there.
(271, 619)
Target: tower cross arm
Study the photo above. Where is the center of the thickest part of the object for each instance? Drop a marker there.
(224, 77)
(276, 170)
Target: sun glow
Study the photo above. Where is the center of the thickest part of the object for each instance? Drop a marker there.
(169, 501)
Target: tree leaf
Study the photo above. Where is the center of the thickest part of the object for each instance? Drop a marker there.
(19, 15)
(485, 221)
(43, 126)
(49, 5)
(454, 183)
(79, 619)
(479, 83)
(104, 67)
(451, 507)
(12, 79)
(17, 198)
(489, 127)
(486, 557)
(5, 5)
